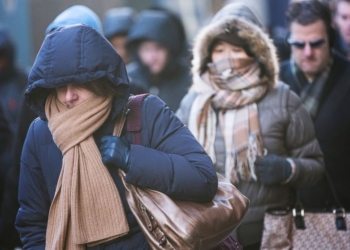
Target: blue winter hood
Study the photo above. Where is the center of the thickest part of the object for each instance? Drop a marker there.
(74, 15)
(75, 54)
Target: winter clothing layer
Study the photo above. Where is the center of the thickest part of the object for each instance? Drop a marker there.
(75, 15)
(52, 69)
(82, 178)
(311, 92)
(332, 123)
(239, 10)
(12, 86)
(118, 21)
(169, 160)
(286, 127)
(173, 82)
(4, 131)
(237, 114)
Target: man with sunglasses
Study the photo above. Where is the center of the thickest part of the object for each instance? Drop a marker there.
(321, 77)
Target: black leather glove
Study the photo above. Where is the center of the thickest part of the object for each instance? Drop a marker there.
(115, 152)
(272, 169)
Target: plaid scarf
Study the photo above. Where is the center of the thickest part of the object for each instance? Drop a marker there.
(310, 92)
(238, 116)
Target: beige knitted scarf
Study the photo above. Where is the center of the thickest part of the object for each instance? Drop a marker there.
(86, 208)
(235, 99)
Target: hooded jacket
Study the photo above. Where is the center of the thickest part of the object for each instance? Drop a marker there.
(285, 126)
(173, 82)
(169, 160)
(118, 21)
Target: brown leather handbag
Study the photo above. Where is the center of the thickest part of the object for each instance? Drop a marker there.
(175, 224)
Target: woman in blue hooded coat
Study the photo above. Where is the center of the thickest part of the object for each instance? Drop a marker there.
(70, 196)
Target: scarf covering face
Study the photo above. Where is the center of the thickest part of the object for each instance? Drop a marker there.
(233, 92)
(86, 208)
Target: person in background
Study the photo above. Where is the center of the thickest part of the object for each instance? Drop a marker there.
(157, 43)
(73, 15)
(253, 127)
(320, 76)
(341, 19)
(70, 192)
(12, 85)
(13, 81)
(117, 23)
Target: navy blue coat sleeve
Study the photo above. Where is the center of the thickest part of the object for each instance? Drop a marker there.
(33, 197)
(170, 159)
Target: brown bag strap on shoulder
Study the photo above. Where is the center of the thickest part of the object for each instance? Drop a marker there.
(174, 224)
(132, 112)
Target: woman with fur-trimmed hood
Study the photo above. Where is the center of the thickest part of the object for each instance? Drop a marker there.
(255, 129)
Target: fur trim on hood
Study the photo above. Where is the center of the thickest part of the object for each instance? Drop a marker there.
(258, 42)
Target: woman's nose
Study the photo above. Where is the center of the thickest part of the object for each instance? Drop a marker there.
(70, 94)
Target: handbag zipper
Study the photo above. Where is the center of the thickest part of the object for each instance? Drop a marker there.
(145, 215)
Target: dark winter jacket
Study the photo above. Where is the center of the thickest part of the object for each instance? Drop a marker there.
(169, 160)
(13, 82)
(332, 123)
(4, 131)
(173, 82)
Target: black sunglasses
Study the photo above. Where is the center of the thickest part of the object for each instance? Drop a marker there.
(301, 45)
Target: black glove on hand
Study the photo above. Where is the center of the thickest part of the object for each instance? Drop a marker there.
(272, 169)
(115, 152)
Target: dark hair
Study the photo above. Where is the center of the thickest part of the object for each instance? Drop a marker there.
(309, 11)
(100, 87)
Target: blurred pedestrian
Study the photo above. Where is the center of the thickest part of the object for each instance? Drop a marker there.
(12, 85)
(157, 43)
(117, 23)
(254, 128)
(341, 19)
(320, 76)
(71, 197)
(13, 81)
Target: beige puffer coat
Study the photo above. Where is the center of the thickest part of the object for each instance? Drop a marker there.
(286, 127)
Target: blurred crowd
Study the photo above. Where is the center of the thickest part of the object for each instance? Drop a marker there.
(271, 110)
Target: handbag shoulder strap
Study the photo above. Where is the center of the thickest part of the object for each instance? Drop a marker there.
(133, 123)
